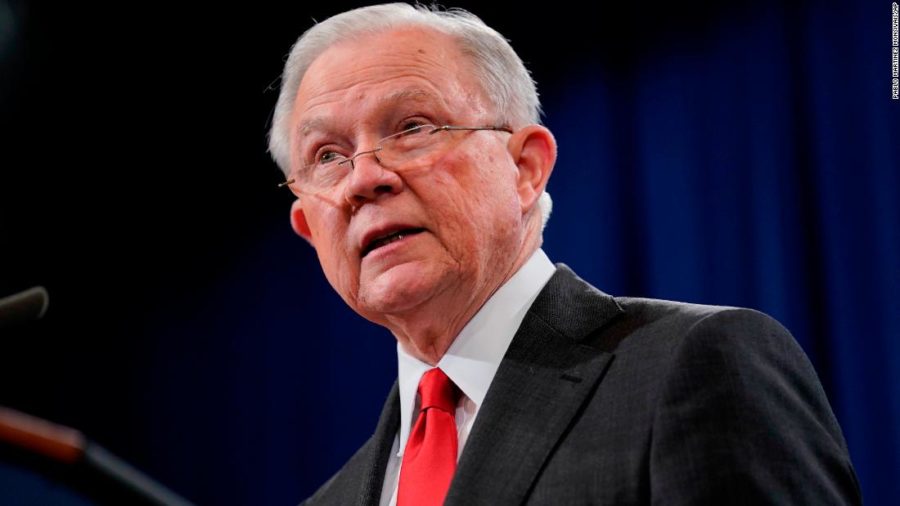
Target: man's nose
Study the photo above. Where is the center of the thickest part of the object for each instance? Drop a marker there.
(368, 179)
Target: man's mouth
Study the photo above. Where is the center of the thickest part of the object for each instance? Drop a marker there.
(386, 239)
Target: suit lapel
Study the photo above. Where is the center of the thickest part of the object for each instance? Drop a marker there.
(544, 379)
(375, 462)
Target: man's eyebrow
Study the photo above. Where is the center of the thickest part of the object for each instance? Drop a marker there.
(307, 126)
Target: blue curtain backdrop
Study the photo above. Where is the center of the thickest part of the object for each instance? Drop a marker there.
(732, 155)
(758, 169)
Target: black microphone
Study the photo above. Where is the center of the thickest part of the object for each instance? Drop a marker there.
(24, 306)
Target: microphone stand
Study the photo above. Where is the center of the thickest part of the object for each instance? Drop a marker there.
(93, 469)
(64, 453)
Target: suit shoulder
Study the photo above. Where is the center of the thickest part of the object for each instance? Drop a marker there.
(662, 334)
(676, 321)
(661, 308)
(738, 392)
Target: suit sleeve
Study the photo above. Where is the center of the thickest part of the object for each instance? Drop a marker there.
(743, 419)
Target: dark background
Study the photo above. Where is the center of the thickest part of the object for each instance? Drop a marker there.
(711, 152)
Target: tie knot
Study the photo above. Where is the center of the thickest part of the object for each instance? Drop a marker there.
(436, 390)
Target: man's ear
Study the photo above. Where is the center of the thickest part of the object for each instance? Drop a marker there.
(298, 221)
(533, 149)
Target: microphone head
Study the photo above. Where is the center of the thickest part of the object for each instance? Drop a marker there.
(24, 306)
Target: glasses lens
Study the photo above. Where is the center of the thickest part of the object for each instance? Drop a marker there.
(322, 175)
(408, 145)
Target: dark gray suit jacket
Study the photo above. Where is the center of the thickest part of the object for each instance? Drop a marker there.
(618, 401)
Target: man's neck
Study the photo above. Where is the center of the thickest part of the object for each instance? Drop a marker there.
(427, 332)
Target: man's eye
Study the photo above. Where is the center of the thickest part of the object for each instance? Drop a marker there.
(413, 126)
(327, 157)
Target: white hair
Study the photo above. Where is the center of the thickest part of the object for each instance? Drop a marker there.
(505, 81)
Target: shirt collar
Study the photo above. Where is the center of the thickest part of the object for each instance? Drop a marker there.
(474, 356)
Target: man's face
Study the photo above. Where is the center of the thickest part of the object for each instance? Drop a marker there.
(459, 207)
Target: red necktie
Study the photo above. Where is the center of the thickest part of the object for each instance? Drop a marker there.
(429, 460)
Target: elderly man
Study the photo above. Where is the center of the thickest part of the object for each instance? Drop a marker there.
(420, 173)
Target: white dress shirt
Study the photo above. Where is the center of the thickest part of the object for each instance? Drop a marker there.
(471, 361)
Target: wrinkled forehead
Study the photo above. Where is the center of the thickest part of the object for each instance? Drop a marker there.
(394, 66)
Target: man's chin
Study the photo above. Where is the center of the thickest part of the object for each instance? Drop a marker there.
(399, 289)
